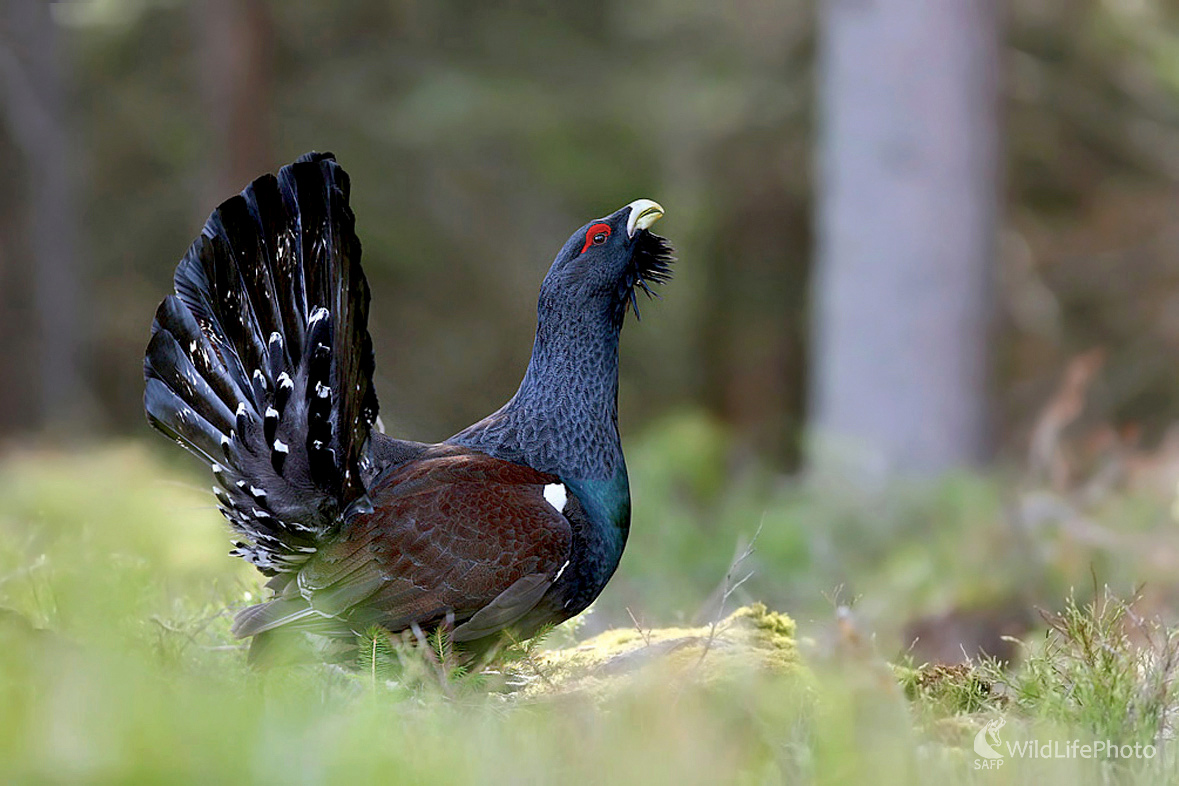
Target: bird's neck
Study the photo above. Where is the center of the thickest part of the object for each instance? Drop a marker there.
(564, 416)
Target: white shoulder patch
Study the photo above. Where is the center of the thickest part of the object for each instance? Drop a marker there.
(556, 496)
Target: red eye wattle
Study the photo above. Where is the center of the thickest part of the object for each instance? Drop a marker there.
(596, 236)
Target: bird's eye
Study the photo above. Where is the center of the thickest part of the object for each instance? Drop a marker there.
(596, 236)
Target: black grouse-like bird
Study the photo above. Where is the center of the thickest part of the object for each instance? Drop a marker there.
(261, 365)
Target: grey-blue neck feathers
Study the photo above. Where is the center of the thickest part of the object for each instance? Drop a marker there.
(564, 416)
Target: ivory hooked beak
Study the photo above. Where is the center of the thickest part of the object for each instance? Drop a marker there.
(643, 213)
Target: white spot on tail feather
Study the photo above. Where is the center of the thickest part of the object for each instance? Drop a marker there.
(556, 496)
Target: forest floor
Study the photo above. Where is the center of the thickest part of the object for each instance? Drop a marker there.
(116, 662)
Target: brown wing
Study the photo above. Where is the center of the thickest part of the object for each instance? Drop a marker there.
(464, 535)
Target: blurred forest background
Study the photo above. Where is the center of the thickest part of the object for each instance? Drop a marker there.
(1014, 293)
(479, 134)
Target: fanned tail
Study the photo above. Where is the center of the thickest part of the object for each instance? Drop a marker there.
(261, 364)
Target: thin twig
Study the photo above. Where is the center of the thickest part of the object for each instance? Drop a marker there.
(729, 588)
(646, 634)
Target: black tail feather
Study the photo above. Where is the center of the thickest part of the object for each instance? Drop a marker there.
(261, 363)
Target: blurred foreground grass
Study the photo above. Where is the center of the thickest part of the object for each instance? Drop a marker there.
(116, 664)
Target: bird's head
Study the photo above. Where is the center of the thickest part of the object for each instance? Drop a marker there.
(601, 265)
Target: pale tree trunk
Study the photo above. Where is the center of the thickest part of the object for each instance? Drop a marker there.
(34, 108)
(908, 173)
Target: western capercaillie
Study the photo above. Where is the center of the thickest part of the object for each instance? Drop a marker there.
(261, 364)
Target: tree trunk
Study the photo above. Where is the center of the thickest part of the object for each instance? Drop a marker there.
(235, 48)
(31, 77)
(906, 229)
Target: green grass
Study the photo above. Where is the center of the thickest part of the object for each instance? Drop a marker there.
(1101, 667)
(116, 663)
